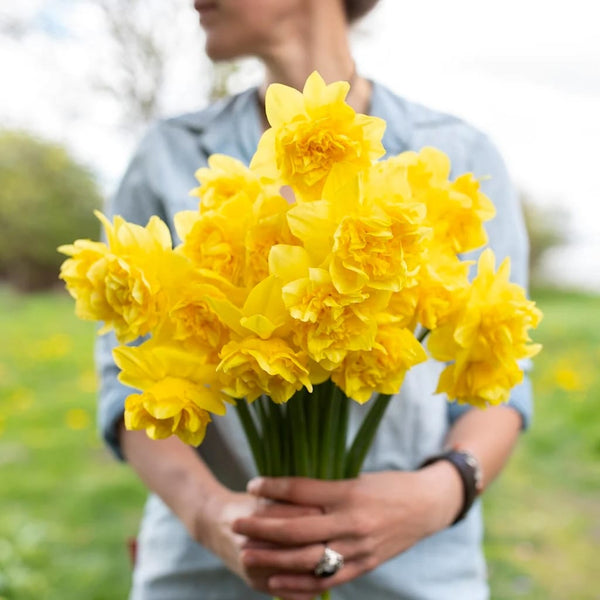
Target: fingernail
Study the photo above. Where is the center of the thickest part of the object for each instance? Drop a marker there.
(253, 485)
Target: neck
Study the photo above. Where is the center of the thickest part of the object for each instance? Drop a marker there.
(319, 43)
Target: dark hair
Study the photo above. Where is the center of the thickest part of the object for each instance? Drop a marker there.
(355, 9)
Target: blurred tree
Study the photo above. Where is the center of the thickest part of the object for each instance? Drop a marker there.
(46, 199)
(144, 39)
(547, 227)
(142, 49)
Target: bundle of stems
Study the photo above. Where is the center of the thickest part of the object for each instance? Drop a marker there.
(307, 435)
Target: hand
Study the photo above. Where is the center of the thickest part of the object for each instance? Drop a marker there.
(368, 520)
(213, 529)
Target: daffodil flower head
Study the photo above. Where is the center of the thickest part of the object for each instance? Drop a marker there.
(486, 337)
(121, 283)
(253, 366)
(382, 368)
(179, 391)
(225, 179)
(311, 132)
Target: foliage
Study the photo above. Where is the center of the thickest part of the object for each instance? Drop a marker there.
(64, 525)
(143, 55)
(67, 507)
(546, 227)
(46, 197)
(543, 515)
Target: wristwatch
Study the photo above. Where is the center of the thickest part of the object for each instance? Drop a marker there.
(469, 469)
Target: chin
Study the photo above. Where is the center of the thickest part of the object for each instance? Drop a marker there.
(218, 51)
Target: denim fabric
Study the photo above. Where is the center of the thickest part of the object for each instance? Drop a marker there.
(448, 565)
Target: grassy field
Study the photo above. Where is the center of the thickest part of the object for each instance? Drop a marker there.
(66, 508)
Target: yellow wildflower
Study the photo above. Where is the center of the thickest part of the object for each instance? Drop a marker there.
(179, 390)
(252, 367)
(312, 131)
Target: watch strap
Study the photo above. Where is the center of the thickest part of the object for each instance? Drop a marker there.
(469, 470)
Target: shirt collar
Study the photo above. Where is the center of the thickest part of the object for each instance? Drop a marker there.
(233, 126)
(386, 105)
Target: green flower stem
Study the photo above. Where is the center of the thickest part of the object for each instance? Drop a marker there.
(339, 453)
(364, 437)
(297, 418)
(421, 337)
(329, 407)
(266, 427)
(252, 435)
(313, 405)
(276, 418)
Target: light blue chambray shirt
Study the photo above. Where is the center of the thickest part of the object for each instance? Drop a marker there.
(446, 566)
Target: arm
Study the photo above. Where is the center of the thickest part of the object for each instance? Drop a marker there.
(175, 472)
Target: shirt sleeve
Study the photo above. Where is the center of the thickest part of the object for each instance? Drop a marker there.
(507, 238)
(136, 200)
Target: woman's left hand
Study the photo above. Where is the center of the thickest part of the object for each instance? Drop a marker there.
(367, 520)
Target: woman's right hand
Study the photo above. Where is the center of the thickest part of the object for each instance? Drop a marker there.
(175, 472)
(213, 529)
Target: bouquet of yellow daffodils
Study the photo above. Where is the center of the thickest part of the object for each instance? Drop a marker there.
(306, 281)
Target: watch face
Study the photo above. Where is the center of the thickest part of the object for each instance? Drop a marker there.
(474, 464)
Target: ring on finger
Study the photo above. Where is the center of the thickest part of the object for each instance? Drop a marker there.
(329, 563)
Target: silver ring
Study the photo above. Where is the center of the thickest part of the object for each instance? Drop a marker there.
(329, 564)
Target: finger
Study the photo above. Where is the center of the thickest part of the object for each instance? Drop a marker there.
(283, 510)
(300, 490)
(300, 531)
(300, 559)
(263, 555)
(282, 585)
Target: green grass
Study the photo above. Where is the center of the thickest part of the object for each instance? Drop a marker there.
(67, 508)
(543, 515)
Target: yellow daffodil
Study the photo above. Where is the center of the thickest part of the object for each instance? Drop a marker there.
(486, 337)
(193, 318)
(253, 366)
(263, 313)
(179, 391)
(328, 324)
(381, 369)
(442, 282)
(77, 273)
(123, 285)
(223, 180)
(314, 263)
(269, 228)
(214, 240)
(311, 132)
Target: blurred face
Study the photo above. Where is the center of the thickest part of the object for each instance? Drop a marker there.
(237, 28)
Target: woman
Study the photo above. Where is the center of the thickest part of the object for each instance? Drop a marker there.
(404, 529)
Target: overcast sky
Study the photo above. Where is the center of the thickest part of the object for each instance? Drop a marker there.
(527, 72)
